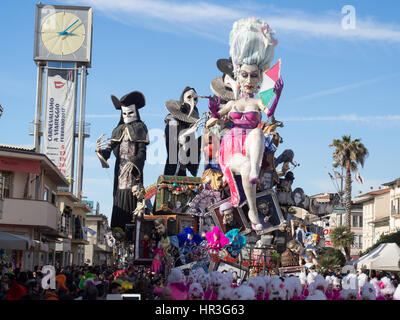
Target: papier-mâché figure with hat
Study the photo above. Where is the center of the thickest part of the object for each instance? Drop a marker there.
(128, 143)
(183, 148)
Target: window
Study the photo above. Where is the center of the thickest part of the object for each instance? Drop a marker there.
(356, 221)
(340, 220)
(6, 181)
(357, 244)
(395, 206)
(53, 197)
(46, 194)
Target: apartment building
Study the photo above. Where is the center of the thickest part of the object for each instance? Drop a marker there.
(375, 215)
(394, 221)
(97, 252)
(70, 249)
(29, 183)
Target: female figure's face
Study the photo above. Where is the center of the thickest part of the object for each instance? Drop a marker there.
(248, 78)
(297, 198)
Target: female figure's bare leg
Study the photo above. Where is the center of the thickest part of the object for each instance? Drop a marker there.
(254, 146)
(240, 164)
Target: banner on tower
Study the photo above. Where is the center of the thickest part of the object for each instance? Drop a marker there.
(58, 130)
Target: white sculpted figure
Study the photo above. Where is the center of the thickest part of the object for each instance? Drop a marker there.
(242, 149)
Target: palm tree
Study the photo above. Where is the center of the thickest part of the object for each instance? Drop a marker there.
(342, 237)
(348, 154)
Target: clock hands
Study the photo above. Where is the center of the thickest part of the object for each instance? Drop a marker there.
(65, 31)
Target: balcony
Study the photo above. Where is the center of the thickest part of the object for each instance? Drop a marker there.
(395, 213)
(29, 213)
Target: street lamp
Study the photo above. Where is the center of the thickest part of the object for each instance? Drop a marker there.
(1, 110)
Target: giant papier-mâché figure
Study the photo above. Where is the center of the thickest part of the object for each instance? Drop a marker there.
(180, 125)
(224, 89)
(128, 143)
(242, 149)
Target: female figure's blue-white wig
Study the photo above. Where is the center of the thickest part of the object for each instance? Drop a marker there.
(251, 42)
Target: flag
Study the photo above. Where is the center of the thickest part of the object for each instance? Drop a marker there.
(269, 78)
(266, 96)
(337, 175)
(85, 230)
(358, 178)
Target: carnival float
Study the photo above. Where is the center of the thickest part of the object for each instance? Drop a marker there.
(237, 214)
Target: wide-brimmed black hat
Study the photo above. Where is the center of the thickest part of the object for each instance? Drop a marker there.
(134, 97)
(180, 110)
(220, 89)
(225, 66)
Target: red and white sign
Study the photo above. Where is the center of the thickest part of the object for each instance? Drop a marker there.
(59, 120)
(328, 242)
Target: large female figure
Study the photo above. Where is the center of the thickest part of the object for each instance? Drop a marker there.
(251, 49)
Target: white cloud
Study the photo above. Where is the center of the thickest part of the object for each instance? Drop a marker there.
(214, 20)
(117, 115)
(346, 117)
(345, 87)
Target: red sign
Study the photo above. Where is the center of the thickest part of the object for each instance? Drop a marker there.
(59, 84)
(328, 242)
(19, 165)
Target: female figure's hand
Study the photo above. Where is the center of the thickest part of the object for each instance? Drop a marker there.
(213, 105)
(277, 90)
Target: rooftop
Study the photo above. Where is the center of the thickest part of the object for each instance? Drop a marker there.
(6, 147)
(394, 182)
(29, 153)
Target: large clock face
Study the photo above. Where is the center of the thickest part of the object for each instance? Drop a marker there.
(62, 33)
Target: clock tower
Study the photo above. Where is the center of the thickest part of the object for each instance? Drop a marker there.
(62, 53)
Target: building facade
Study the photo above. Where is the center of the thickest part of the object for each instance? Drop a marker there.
(29, 183)
(376, 215)
(97, 252)
(394, 220)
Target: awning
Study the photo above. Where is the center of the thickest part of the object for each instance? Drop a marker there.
(63, 246)
(384, 257)
(20, 165)
(41, 246)
(15, 241)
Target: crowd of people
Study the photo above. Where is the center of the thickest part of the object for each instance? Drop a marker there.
(199, 285)
(97, 282)
(78, 283)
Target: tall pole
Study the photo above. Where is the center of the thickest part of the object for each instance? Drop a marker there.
(71, 186)
(81, 138)
(39, 102)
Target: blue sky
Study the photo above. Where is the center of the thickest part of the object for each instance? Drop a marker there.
(336, 81)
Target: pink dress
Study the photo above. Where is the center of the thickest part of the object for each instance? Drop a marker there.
(216, 245)
(179, 291)
(232, 143)
(156, 264)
